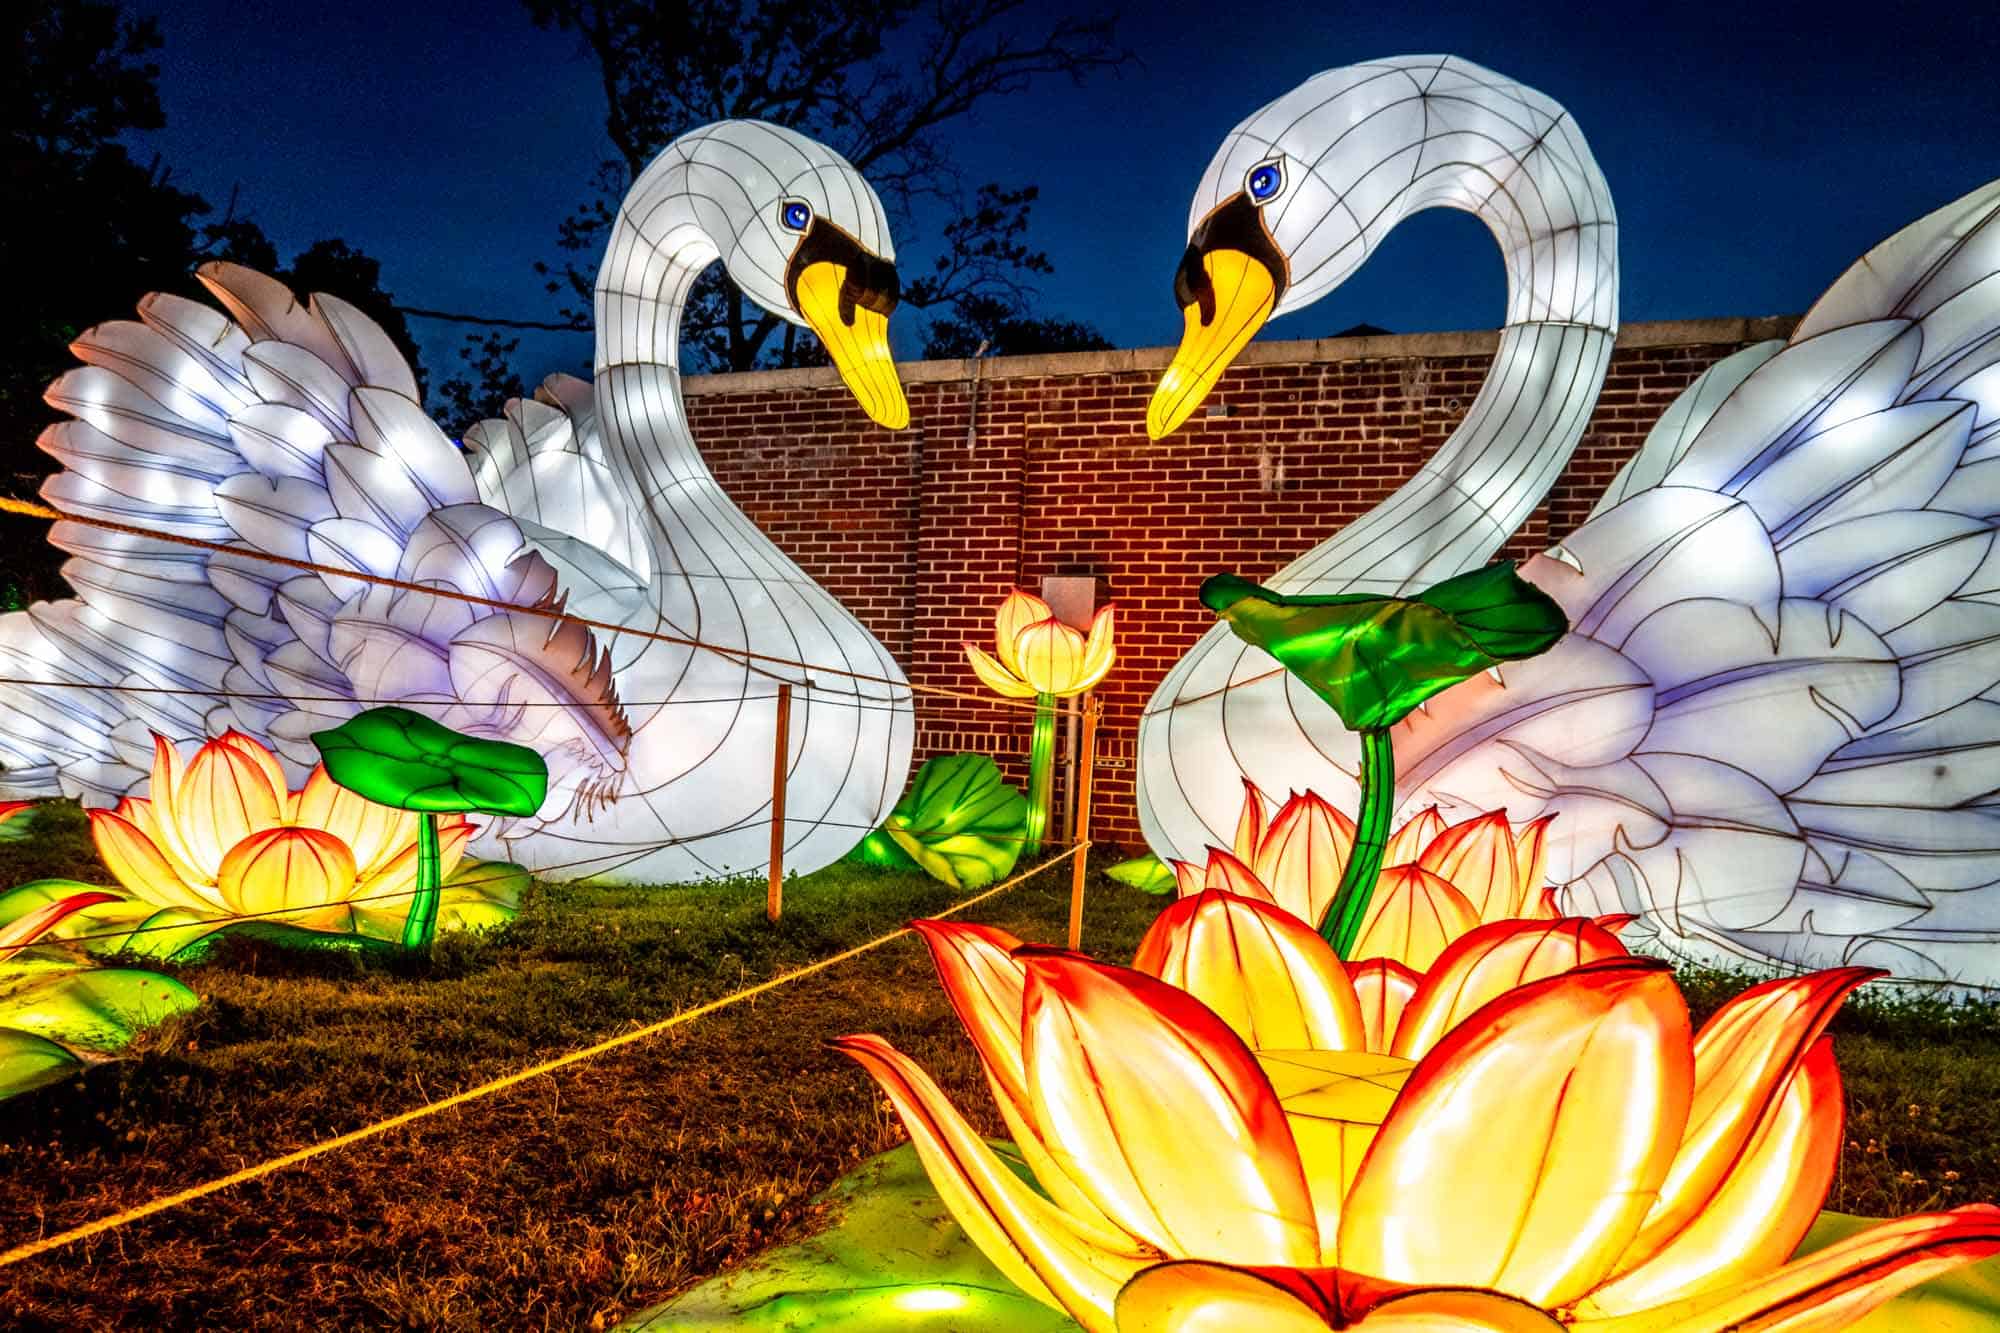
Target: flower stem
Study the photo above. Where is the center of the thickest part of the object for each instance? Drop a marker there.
(421, 923)
(1041, 762)
(1342, 925)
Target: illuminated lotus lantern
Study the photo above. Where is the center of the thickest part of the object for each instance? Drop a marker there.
(1546, 1152)
(1376, 659)
(1439, 880)
(221, 836)
(403, 760)
(57, 1012)
(1038, 657)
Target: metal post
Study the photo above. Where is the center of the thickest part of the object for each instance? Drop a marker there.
(774, 894)
(1086, 767)
(1069, 770)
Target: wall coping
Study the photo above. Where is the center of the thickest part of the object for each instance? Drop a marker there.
(1727, 329)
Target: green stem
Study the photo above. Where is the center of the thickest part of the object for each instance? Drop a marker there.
(421, 923)
(1041, 765)
(1342, 925)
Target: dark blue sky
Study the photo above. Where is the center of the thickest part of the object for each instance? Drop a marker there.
(1753, 150)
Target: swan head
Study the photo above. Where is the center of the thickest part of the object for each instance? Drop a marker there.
(1305, 187)
(807, 240)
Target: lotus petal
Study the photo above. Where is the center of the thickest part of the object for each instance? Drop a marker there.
(995, 676)
(1385, 988)
(224, 797)
(1761, 1211)
(1407, 843)
(1098, 652)
(1303, 854)
(1017, 612)
(1249, 824)
(286, 867)
(1127, 1074)
(1745, 1056)
(1486, 963)
(1191, 1296)
(1044, 1252)
(1829, 1289)
(986, 986)
(1413, 916)
(1476, 857)
(1262, 970)
(1051, 658)
(1517, 1102)
(138, 864)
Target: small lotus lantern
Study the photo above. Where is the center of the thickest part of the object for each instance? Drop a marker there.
(1041, 658)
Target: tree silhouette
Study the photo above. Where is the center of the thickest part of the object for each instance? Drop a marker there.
(877, 80)
(90, 229)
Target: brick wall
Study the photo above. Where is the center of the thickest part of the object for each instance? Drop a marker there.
(921, 532)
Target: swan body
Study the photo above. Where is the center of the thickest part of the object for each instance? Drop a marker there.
(294, 430)
(1769, 732)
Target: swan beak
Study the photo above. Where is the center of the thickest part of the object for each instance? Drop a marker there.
(856, 337)
(1238, 297)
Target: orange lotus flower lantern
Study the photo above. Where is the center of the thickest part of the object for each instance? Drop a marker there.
(221, 834)
(1546, 1145)
(1041, 658)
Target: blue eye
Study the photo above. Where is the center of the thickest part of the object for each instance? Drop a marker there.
(795, 215)
(1264, 181)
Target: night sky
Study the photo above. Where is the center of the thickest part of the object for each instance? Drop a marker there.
(1753, 150)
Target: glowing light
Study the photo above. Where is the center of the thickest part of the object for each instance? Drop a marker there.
(1043, 659)
(289, 426)
(928, 1300)
(1439, 882)
(1568, 1152)
(1778, 618)
(221, 835)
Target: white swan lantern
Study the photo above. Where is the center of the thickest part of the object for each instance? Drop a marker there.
(294, 431)
(1774, 729)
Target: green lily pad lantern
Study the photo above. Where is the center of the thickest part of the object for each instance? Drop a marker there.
(399, 758)
(1374, 659)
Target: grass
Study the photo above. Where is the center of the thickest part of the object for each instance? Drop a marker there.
(578, 1198)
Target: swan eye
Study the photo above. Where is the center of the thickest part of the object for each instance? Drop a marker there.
(1265, 181)
(795, 215)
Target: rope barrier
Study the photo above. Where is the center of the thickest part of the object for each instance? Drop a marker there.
(749, 659)
(124, 1217)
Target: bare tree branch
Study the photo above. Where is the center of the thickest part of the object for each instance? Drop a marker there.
(878, 80)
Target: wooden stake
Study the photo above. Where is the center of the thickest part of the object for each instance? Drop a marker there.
(774, 893)
(1086, 767)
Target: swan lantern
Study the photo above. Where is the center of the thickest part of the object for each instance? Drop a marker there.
(1774, 730)
(290, 430)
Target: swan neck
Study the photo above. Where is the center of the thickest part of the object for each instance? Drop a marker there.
(658, 247)
(1535, 185)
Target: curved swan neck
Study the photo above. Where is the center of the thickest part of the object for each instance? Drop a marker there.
(1514, 159)
(659, 245)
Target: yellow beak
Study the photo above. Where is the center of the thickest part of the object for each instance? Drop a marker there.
(859, 344)
(1245, 291)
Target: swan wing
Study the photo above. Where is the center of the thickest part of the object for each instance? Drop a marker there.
(1775, 728)
(281, 432)
(542, 461)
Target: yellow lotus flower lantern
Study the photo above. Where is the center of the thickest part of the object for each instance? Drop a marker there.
(1038, 657)
(222, 835)
(1547, 1145)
